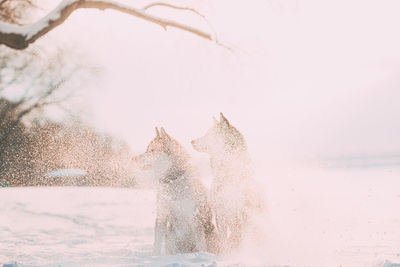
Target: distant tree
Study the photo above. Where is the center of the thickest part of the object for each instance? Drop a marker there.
(30, 81)
(15, 163)
(28, 84)
(47, 146)
(20, 37)
(61, 146)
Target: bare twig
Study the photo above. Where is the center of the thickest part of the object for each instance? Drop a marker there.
(214, 34)
(160, 4)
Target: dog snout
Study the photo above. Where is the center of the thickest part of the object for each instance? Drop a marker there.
(194, 144)
(139, 162)
(135, 161)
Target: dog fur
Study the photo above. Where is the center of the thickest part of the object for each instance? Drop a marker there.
(184, 221)
(235, 196)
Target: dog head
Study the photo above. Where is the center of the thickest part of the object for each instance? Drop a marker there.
(221, 138)
(163, 155)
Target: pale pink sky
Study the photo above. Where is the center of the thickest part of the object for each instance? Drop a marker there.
(306, 76)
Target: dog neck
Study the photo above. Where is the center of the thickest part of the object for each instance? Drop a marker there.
(229, 158)
(173, 174)
(231, 166)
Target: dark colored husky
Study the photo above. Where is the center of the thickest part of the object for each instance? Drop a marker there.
(184, 222)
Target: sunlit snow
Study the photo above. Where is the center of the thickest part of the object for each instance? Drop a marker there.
(319, 218)
(66, 173)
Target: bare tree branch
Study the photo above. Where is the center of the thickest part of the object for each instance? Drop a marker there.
(161, 4)
(214, 34)
(19, 37)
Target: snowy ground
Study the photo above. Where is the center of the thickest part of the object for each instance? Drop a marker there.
(317, 218)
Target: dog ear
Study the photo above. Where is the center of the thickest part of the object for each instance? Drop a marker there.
(223, 120)
(215, 120)
(164, 133)
(157, 132)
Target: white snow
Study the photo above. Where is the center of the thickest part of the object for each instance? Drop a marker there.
(318, 217)
(10, 28)
(66, 173)
(34, 28)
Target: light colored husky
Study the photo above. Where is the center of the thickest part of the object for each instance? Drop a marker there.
(235, 196)
(184, 221)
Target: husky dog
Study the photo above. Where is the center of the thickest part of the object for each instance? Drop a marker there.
(184, 221)
(235, 197)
